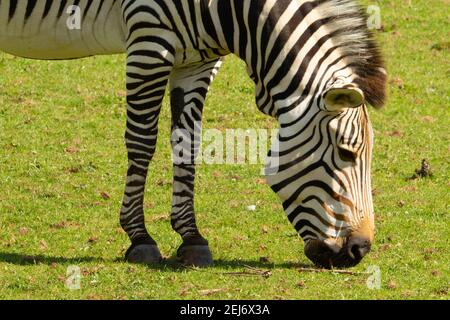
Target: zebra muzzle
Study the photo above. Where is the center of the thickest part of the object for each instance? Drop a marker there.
(324, 255)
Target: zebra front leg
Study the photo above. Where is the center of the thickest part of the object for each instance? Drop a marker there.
(189, 86)
(143, 248)
(194, 250)
(146, 81)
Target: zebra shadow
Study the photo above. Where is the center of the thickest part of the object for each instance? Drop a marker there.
(173, 264)
(32, 259)
(167, 264)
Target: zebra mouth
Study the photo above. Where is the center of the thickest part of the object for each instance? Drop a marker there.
(349, 255)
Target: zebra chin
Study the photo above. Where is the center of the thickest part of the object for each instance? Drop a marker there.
(349, 254)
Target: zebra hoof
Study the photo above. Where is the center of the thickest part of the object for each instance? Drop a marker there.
(195, 255)
(144, 253)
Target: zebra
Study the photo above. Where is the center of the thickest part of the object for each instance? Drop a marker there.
(316, 69)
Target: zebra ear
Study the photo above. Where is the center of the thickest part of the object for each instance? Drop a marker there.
(339, 98)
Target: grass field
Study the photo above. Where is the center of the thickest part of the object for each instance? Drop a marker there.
(63, 163)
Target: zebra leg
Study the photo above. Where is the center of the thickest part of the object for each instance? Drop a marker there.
(147, 77)
(189, 86)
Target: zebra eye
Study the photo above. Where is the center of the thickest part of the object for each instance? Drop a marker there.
(347, 155)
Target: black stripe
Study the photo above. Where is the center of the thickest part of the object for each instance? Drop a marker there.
(48, 6)
(86, 10)
(98, 10)
(208, 21)
(226, 21)
(239, 10)
(62, 6)
(181, 14)
(194, 23)
(30, 7)
(12, 8)
(253, 22)
(277, 10)
(303, 223)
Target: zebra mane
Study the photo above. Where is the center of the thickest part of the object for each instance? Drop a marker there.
(348, 22)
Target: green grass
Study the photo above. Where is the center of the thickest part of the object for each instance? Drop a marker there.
(61, 146)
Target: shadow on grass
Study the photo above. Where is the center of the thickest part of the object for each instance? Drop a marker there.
(234, 264)
(24, 259)
(172, 264)
(168, 264)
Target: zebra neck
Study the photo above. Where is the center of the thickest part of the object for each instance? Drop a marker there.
(274, 39)
(292, 48)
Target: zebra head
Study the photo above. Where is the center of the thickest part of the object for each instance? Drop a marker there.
(320, 167)
(320, 162)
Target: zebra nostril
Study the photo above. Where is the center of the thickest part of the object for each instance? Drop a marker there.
(358, 247)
